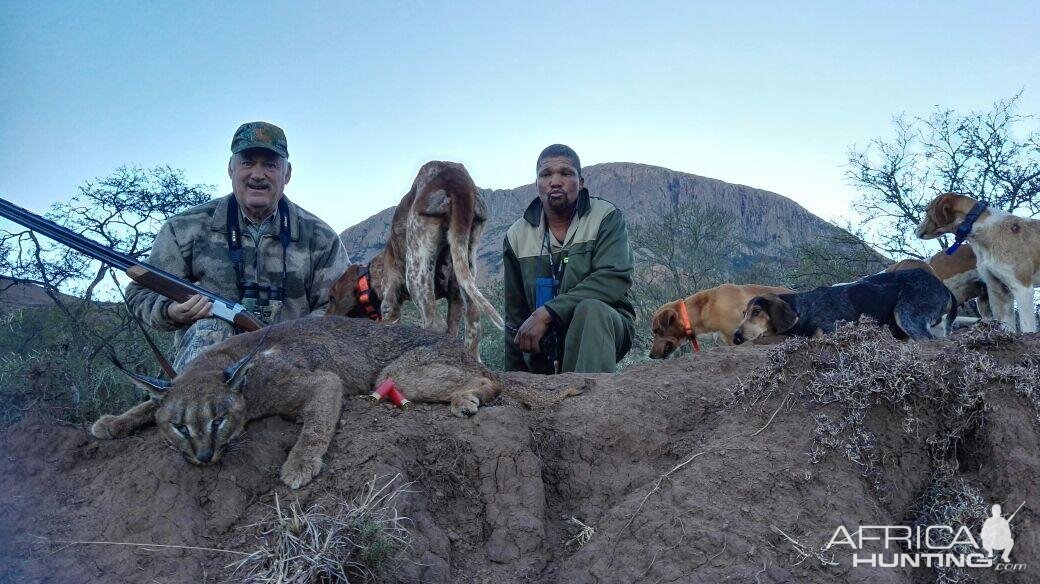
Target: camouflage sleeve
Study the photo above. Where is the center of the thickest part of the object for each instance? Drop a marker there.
(330, 263)
(148, 306)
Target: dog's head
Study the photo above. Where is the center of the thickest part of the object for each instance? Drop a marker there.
(944, 215)
(669, 332)
(765, 315)
(342, 299)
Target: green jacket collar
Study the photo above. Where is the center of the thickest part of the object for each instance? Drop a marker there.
(533, 214)
(220, 217)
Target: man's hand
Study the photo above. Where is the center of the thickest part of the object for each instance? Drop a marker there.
(192, 309)
(530, 333)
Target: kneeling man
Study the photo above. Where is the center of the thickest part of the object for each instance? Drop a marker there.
(568, 270)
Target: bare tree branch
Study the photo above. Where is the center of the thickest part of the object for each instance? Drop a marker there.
(978, 153)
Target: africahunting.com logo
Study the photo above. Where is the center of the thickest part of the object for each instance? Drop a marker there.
(931, 546)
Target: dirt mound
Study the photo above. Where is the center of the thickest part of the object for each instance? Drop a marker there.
(729, 465)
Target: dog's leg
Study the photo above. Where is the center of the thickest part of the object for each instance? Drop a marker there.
(391, 308)
(455, 308)
(948, 318)
(982, 303)
(319, 416)
(941, 327)
(473, 312)
(1000, 299)
(1026, 308)
(108, 426)
(422, 244)
(473, 329)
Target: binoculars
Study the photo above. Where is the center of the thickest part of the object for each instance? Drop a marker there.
(262, 300)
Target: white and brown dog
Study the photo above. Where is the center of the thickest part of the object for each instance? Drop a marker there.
(429, 255)
(1007, 247)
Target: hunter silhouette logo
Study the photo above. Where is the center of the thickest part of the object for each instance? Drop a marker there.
(928, 546)
(996, 533)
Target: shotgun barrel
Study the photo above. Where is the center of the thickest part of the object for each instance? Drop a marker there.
(144, 274)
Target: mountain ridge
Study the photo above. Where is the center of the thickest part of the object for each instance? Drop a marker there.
(769, 225)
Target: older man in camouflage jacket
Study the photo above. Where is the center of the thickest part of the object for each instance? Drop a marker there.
(252, 245)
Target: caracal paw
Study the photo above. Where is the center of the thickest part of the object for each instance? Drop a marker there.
(465, 406)
(298, 471)
(107, 428)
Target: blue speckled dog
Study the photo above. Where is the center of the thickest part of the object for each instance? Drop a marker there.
(912, 303)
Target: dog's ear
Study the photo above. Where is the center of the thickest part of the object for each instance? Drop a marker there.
(670, 317)
(781, 316)
(944, 210)
(664, 319)
(341, 293)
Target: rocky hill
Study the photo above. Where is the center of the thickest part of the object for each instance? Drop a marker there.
(770, 225)
(15, 294)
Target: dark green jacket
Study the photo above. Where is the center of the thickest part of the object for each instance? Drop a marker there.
(597, 264)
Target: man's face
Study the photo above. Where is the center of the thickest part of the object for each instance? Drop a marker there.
(558, 185)
(258, 178)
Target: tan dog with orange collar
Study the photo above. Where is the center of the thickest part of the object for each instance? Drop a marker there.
(715, 310)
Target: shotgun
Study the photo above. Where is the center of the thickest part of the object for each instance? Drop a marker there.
(144, 274)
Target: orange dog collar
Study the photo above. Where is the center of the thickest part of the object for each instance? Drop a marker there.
(367, 297)
(684, 319)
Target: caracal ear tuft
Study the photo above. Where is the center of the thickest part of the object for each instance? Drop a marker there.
(238, 383)
(155, 387)
(234, 375)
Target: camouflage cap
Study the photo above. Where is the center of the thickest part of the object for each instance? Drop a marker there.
(260, 135)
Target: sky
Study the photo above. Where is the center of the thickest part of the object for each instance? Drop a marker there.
(766, 94)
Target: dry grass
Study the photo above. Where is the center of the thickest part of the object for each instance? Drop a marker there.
(805, 551)
(357, 542)
(950, 500)
(840, 377)
(847, 373)
(986, 334)
(581, 535)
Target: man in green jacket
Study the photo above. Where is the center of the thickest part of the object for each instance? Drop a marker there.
(568, 270)
(252, 245)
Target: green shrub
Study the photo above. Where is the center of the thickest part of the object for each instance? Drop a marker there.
(52, 363)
